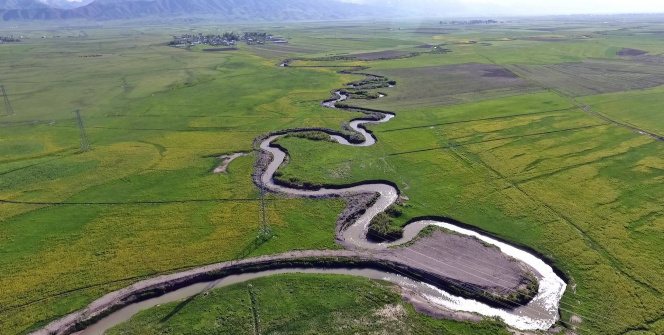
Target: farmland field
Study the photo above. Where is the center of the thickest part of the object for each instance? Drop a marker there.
(501, 133)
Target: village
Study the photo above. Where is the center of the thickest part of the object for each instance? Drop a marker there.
(226, 39)
(9, 39)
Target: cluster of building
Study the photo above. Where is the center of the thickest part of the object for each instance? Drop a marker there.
(227, 39)
(186, 40)
(10, 39)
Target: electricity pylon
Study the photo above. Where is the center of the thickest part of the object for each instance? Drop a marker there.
(8, 106)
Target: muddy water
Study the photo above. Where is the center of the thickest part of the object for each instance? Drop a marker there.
(431, 293)
(126, 313)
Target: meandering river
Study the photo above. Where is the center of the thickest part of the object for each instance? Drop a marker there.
(539, 314)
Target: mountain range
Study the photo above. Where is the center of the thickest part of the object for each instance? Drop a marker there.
(232, 10)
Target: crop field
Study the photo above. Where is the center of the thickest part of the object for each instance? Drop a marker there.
(637, 108)
(595, 76)
(495, 134)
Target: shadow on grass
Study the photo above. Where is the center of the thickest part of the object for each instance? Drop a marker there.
(250, 248)
(254, 245)
(184, 303)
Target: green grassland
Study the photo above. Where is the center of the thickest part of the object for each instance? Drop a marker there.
(152, 204)
(533, 169)
(636, 108)
(297, 304)
(524, 164)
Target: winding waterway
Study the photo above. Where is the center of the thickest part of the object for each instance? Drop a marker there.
(539, 314)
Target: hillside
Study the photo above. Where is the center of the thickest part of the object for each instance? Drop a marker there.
(254, 10)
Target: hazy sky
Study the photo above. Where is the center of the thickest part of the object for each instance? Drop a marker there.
(532, 6)
(577, 6)
(487, 7)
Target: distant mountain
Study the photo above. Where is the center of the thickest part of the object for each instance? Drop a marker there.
(23, 4)
(64, 4)
(235, 10)
(27, 9)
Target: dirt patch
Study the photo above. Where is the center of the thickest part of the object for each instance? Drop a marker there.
(426, 46)
(391, 312)
(433, 86)
(499, 73)
(356, 205)
(630, 52)
(226, 160)
(421, 305)
(466, 260)
(388, 54)
(220, 49)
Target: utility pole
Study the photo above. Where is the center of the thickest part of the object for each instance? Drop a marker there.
(8, 106)
(265, 231)
(85, 143)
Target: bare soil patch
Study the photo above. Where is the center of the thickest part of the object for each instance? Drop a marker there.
(391, 312)
(423, 306)
(499, 73)
(226, 160)
(433, 86)
(466, 260)
(631, 52)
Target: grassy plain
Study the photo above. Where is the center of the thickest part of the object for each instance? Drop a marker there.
(143, 201)
(297, 304)
(533, 169)
(635, 108)
(527, 166)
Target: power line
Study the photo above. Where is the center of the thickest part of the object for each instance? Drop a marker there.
(85, 143)
(8, 106)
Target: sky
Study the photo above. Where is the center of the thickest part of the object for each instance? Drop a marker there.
(523, 7)
(530, 7)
